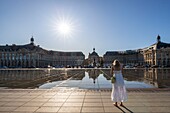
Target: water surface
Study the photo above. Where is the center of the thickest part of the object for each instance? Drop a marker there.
(81, 78)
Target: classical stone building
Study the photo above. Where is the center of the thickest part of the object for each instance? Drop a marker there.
(93, 58)
(28, 55)
(128, 57)
(157, 54)
(31, 55)
(67, 58)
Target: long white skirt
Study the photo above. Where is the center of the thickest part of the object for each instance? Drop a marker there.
(118, 89)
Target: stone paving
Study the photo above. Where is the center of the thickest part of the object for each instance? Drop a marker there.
(81, 101)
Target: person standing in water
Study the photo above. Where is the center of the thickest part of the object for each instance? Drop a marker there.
(118, 88)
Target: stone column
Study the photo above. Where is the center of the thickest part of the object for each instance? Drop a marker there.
(22, 61)
(10, 58)
(37, 60)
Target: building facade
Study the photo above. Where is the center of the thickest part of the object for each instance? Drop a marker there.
(31, 55)
(129, 57)
(93, 58)
(157, 54)
(64, 59)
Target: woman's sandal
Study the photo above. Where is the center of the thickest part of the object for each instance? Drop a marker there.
(121, 105)
(115, 104)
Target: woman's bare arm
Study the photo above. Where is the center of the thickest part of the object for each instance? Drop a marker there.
(111, 71)
(121, 67)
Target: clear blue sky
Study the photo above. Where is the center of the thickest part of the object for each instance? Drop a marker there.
(107, 25)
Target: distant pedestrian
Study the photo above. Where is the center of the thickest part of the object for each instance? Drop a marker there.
(118, 87)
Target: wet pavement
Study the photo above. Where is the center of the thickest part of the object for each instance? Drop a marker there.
(82, 101)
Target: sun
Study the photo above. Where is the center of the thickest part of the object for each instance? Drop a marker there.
(64, 26)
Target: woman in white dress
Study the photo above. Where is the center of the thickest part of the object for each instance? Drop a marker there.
(118, 88)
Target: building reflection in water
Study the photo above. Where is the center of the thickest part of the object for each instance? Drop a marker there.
(93, 73)
(76, 74)
(160, 78)
(134, 74)
(33, 78)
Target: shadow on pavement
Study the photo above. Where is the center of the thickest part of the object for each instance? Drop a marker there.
(125, 108)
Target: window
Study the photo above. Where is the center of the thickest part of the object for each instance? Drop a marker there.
(2, 56)
(24, 57)
(20, 57)
(6, 56)
(9, 57)
(17, 56)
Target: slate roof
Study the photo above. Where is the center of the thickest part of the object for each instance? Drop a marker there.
(161, 45)
(14, 47)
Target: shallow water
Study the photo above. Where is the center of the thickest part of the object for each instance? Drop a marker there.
(81, 78)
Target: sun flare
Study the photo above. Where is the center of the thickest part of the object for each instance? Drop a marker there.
(64, 27)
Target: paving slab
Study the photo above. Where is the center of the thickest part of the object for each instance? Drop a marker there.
(78, 104)
(26, 109)
(82, 101)
(92, 110)
(7, 109)
(70, 109)
(14, 104)
(47, 109)
(53, 104)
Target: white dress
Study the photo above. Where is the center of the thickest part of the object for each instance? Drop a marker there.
(118, 88)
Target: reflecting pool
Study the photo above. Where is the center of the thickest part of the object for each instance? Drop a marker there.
(81, 78)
